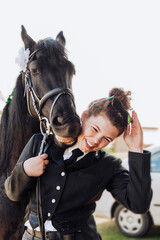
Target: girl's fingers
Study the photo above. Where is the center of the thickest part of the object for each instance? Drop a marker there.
(135, 119)
(46, 162)
(44, 156)
(136, 123)
(127, 131)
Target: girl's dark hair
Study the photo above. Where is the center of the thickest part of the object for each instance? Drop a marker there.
(116, 109)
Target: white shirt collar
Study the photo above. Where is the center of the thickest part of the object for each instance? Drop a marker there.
(68, 152)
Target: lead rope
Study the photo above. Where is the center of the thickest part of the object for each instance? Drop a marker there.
(38, 190)
(45, 130)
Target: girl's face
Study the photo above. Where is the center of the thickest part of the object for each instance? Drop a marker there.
(97, 132)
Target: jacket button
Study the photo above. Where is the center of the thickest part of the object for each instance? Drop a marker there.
(49, 214)
(58, 187)
(53, 200)
(62, 174)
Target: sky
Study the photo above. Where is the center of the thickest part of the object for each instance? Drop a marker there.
(112, 43)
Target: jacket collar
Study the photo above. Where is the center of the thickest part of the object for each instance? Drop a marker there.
(84, 162)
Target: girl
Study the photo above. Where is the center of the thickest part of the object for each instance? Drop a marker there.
(70, 188)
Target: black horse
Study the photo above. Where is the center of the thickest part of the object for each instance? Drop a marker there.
(43, 90)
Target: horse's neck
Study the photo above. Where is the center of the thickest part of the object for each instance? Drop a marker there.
(16, 128)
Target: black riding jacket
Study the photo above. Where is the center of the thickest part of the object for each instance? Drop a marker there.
(69, 194)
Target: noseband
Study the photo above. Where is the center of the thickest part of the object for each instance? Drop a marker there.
(37, 102)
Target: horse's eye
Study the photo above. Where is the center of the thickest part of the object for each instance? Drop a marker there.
(34, 71)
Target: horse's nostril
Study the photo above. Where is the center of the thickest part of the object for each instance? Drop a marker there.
(58, 121)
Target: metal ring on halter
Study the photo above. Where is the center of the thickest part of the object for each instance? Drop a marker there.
(47, 126)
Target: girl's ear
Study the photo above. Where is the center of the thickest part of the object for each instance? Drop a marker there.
(84, 115)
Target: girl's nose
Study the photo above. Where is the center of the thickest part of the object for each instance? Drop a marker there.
(97, 139)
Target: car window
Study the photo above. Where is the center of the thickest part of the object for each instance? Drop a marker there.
(155, 162)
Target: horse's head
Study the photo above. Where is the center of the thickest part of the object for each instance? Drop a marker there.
(48, 84)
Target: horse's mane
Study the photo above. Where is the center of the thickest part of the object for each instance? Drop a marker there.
(12, 125)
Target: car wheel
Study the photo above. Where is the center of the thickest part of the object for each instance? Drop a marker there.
(131, 224)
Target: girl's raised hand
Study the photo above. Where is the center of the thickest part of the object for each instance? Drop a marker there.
(133, 135)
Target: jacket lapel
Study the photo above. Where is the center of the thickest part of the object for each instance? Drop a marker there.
(57, 154)
(86, 161)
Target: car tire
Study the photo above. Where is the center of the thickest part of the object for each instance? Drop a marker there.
(131, 224)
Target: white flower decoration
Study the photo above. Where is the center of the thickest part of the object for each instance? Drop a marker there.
(23, 58)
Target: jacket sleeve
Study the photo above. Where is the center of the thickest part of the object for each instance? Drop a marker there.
(18, 184)
(133, 189)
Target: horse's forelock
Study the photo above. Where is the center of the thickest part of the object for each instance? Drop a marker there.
(52, 48)
(56, 54)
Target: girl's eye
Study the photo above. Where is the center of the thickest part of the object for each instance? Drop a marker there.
(95, 129)
(107, 139)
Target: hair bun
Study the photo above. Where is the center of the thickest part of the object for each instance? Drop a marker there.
(122, 96)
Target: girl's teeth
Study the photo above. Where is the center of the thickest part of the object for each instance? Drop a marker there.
(89, 144)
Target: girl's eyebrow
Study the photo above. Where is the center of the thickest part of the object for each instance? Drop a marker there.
(105, 137)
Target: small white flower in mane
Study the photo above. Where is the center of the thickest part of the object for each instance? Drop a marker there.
(23, 58)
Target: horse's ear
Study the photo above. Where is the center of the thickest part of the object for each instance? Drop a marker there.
(28, 41)
(61, 39)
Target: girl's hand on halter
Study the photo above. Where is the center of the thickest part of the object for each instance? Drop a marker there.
(133, 135)
(35, 167)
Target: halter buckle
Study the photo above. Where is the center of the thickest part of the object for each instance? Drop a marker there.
(45, 126)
